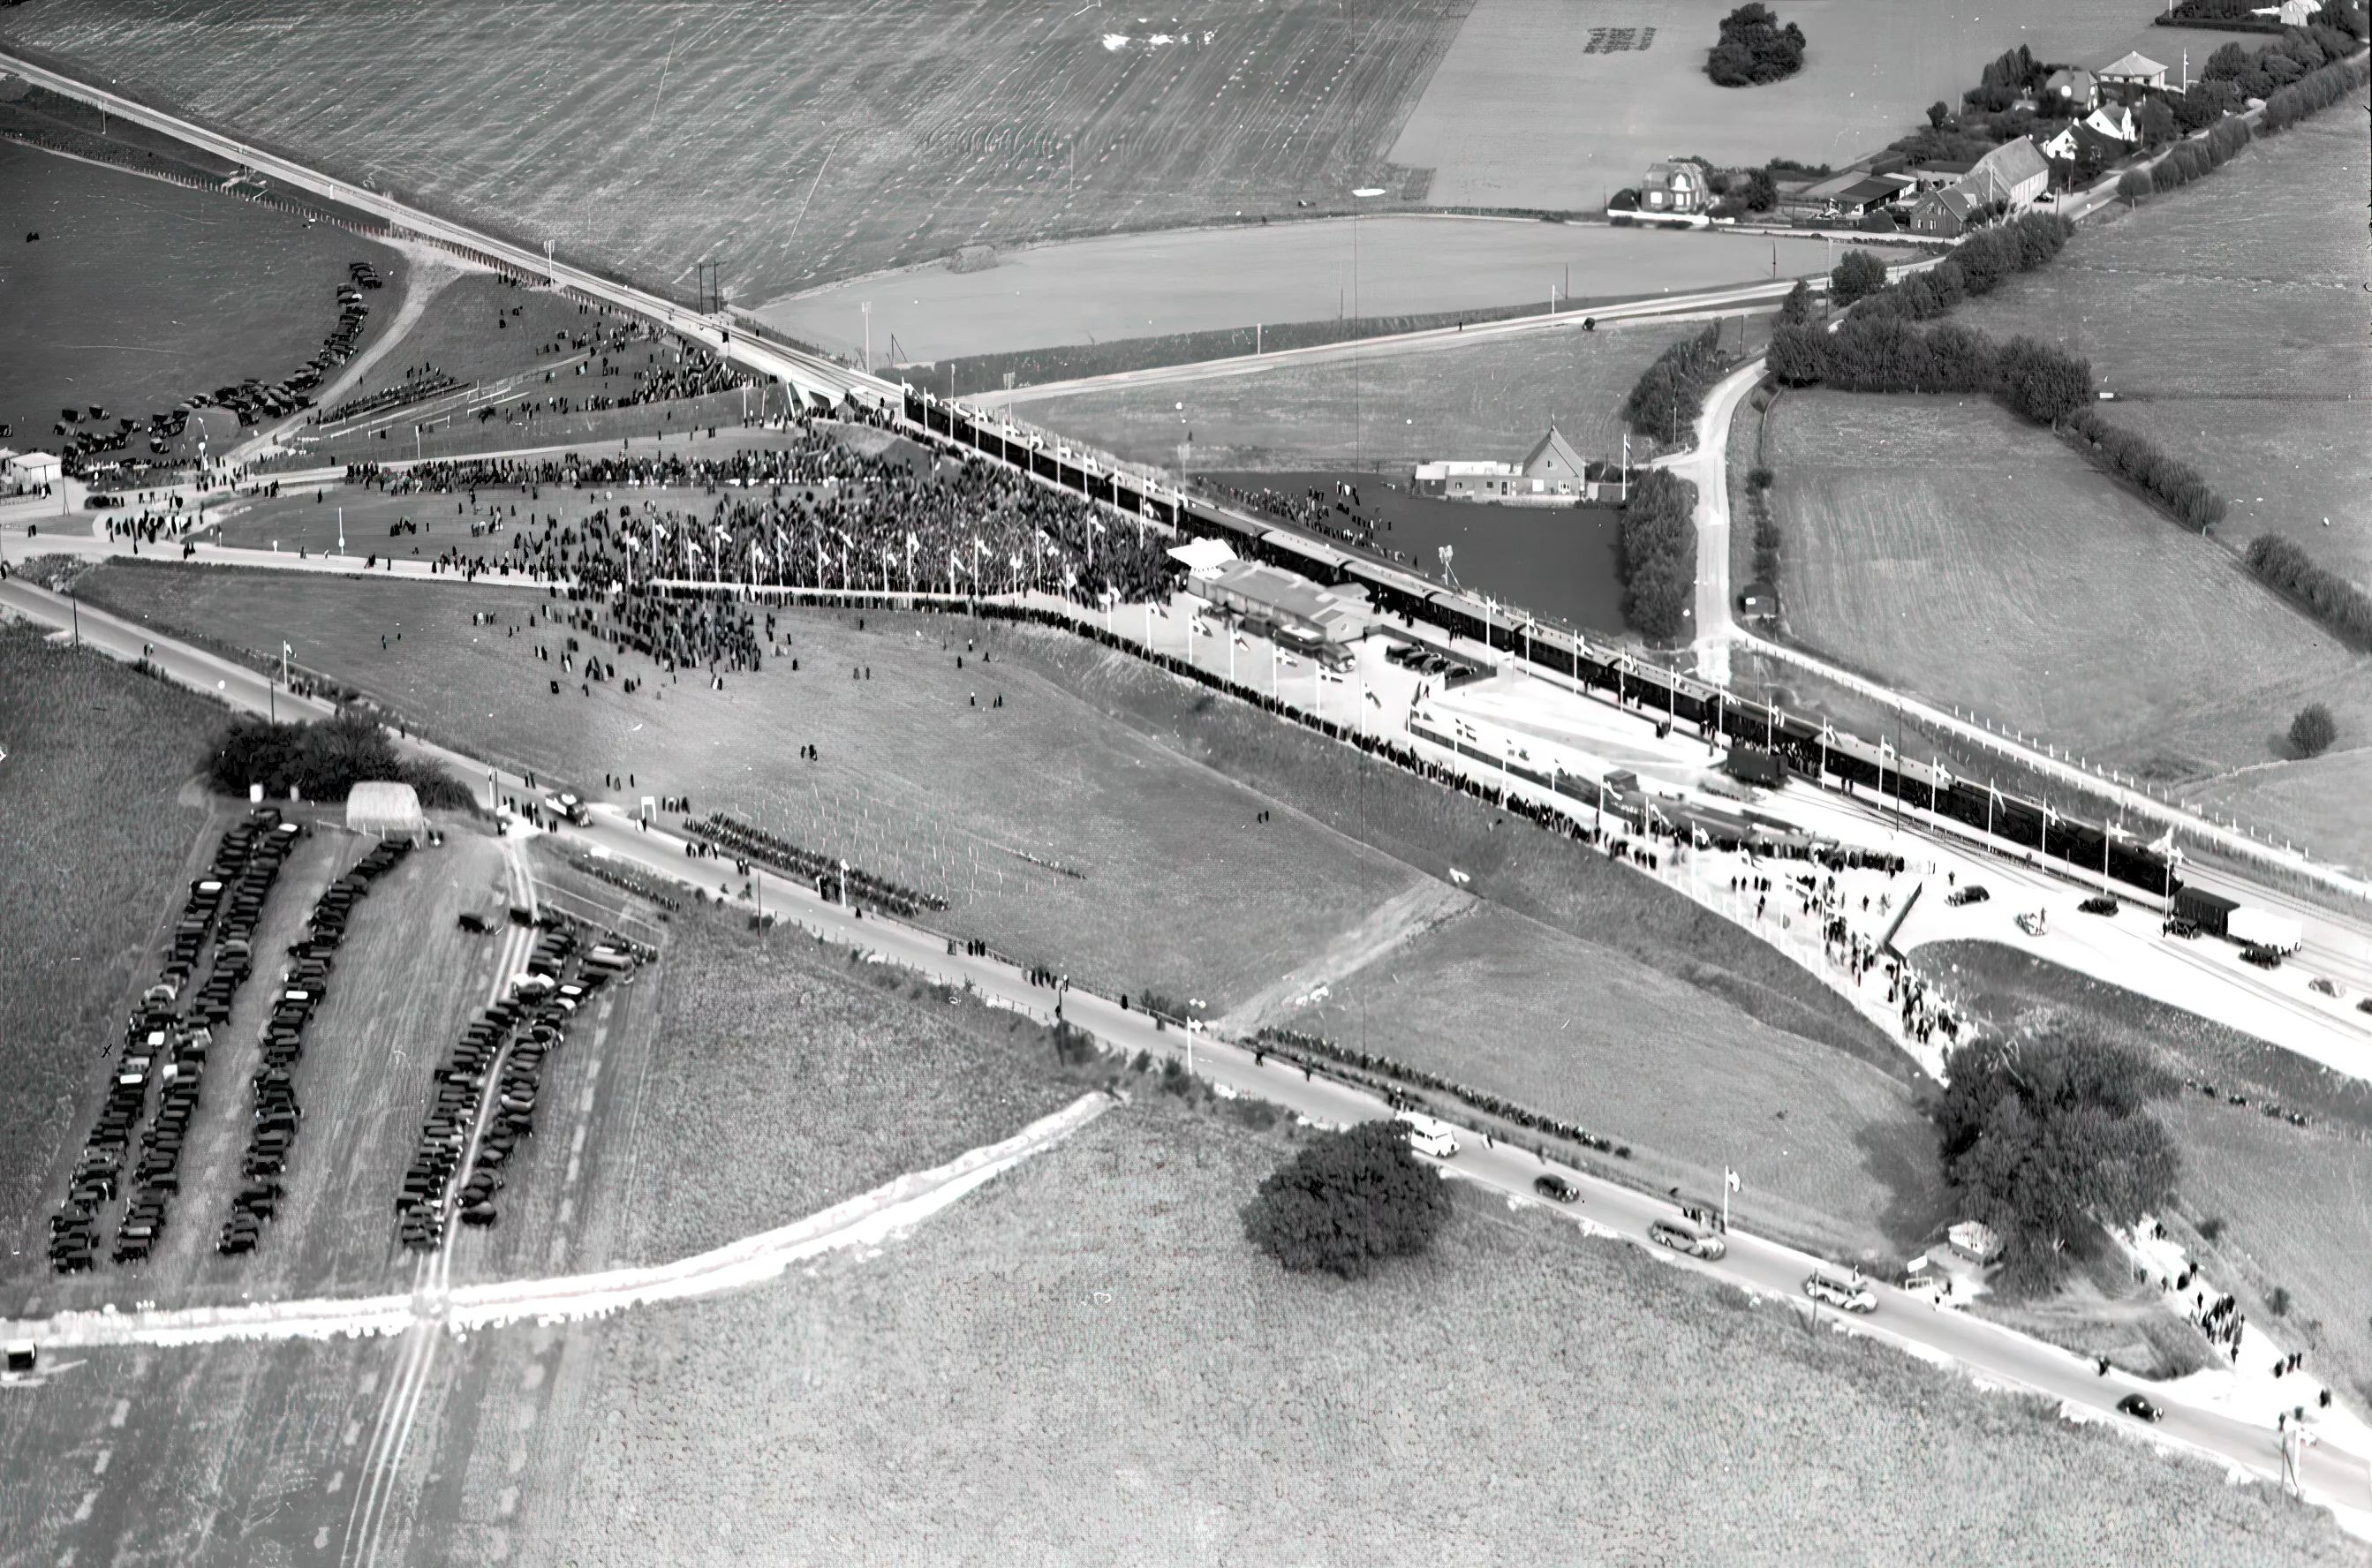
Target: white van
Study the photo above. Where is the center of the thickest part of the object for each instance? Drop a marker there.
(1429, 1136)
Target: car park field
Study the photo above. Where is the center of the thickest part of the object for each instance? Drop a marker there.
(825, 144)
(93, 317)
(101, 838)
(1938, 544)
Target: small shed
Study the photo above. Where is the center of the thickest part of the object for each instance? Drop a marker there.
(1760, 602)
(1975, 1241)
(30, 471)
(386, 810)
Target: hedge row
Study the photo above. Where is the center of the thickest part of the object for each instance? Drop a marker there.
(1887, 354)
(2175, 483)
(1659, 555)
(323, 761)
(2191, 160)
(2328, 596)
(1976, 267)
(2314, 91)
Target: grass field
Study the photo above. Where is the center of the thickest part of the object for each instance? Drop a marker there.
(2228, 318)
(913, 782)
(792, 144)
(1593, 118)
(1087, 1364)
(98, 316)
(99, 833)
(1142, 286)
(1940, 543)
(796, 1077)
(1386, 409)
(2293, 1200)
(1835, 1151)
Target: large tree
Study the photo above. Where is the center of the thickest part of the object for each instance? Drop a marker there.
(2049, 1138)
(1755, 49)
(1347, 1202)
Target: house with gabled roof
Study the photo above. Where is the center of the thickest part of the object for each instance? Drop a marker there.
(2135, 73)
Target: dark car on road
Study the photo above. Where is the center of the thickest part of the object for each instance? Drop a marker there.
(1974, 893)
(2098, 903)
(2140, 1409)
(2265, 957)
(1556, 1186)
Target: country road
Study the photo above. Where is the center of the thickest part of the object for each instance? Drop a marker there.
(2336, 1472)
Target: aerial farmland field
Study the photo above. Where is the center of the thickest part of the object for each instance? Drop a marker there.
(1940, 543)
(1086, 1363)
(1385, 408)
(1542, 103)
(2227, 317)
(792, 144)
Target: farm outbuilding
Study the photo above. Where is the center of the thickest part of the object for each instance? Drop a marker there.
(386, 810)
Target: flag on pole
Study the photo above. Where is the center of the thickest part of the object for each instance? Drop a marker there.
(2165, 845)
(1729, 1180)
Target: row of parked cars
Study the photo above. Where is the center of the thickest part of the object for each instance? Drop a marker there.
(500, 1055)
(302, 981)
(165, 1047)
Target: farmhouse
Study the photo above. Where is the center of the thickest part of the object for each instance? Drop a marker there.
(2082, 142)
(2134, 75)
(2015, 172)
(1945, 214)
(2115, 120)
(1679, 185)
(1552, 473)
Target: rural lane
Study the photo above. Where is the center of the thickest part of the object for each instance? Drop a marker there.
(2335, 1476)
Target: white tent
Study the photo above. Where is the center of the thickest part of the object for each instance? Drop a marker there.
(1202, 557)
(387, 810)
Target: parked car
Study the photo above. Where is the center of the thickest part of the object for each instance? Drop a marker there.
(475, 924)
(2140, 1409)
(1971, 893)
(2176, 926)
(2098, 903)
(2265, 957)
(1428, 1135)
(1556, 1187)
(2325, 987)
(1682, 1236)
(1850, 1295)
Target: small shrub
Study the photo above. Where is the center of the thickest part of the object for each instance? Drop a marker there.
(2312, 731)
(1346, 1201)
(2211, 1228)
(1759, 477)
(2279, 1301)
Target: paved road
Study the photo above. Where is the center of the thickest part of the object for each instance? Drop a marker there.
(2333, 1476)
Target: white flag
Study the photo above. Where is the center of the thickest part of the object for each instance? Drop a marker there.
(1729, 1177)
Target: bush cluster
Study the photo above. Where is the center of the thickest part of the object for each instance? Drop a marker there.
(2328, 596)
(2313, 730)
(1659, 555)
(1856, 277)
(2174, 484)
(2047, 1139)
(323, 761)
(1755, 49)
(1671, 394)
(1347, 1201)
(2290, 59)
(1766, 528)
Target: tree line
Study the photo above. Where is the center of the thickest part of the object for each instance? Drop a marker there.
(2331, 599)
(323, 761)
(1658, 554)
(2190, 161)
(1670, 393)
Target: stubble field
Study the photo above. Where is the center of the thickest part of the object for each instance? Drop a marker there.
(1382, 409)
(99, 834)
(1087, 1364)
(2228, 318)
(140, 293)
(1938, 543)
(794, 144)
